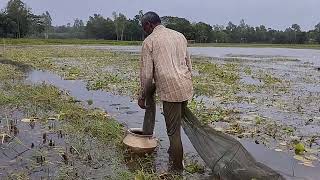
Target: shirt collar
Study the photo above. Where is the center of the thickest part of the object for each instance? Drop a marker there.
(160, 26)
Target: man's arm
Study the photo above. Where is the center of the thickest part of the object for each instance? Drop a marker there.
(146, 71)
(188, 61)
(187, 58)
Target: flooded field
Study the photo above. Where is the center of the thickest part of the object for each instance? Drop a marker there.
(267, 98)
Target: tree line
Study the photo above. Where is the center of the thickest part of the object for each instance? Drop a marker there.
(18, 21)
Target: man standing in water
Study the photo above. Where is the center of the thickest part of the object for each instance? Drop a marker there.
(166, 67)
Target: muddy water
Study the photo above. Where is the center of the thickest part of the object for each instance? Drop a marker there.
(121, 108)
(127, 112)
(33, 148)
(40, 149)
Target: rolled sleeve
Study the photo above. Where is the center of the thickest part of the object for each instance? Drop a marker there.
(188, 61)
(146, 70)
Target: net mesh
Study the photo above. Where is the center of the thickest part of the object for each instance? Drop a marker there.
(223, 154)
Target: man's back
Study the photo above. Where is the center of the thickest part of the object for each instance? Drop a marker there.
(171, 62)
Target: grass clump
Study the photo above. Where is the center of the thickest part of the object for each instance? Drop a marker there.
(248, 71)
(9, 72)
(194, 167)
(270, 80)
(48, 100)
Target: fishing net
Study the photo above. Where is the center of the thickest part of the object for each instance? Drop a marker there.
(223, 154)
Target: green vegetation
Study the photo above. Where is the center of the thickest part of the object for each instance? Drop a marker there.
(9, 72)
(72, 63)
(259, 120)
(248, 71)
(299, 148)
(216, 80)
(49, 100)
(28, 41)
(269, 79)
(194, 167)
(208, 115)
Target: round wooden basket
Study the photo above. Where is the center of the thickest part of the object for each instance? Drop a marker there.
(139, 143)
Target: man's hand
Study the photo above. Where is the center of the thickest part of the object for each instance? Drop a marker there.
(142, 103)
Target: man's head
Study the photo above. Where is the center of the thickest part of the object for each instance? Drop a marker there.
(149, 21)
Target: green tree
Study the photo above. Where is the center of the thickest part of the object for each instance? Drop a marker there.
(296, 28)
(78, 29)
(243, 31)
(37, 25)
(120, 22)
(133, 31)
(78, 25)
(100, 28)
(317, 33)
(218, 34)
(202, 32)
(18, 12)
(179, 24)
(47, 23)
(261, 34)
(7, 26)
(138, 18)
(232, 31)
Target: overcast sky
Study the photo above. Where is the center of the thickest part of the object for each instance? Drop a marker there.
(277, 14)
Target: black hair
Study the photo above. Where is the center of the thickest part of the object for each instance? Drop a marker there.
(150, 17)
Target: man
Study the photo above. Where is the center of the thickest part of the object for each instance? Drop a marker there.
(166, 67)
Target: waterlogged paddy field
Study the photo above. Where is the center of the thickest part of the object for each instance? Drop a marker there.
(270, 100)
(35, 145)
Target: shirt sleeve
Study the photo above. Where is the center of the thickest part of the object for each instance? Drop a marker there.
(146, 70)
(188, 61)
(188, 58)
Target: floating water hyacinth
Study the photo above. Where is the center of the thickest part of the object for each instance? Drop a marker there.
(299, 148)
